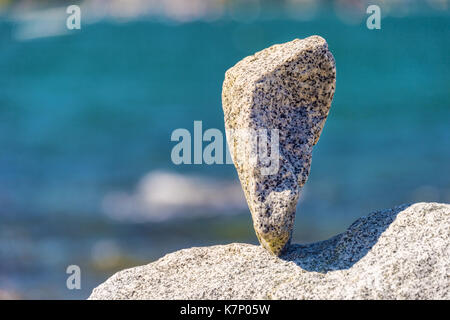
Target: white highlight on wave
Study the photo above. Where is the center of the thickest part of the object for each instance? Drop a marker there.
(42, 23)
(163, 195)
(33, 22)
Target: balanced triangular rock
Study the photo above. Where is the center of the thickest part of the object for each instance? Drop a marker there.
(275, 104)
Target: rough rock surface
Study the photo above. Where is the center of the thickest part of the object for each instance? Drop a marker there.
(287, 87)
(401, 253)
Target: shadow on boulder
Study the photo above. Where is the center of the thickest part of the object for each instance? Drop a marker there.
(344, 250)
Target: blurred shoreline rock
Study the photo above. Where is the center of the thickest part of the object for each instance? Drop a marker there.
(276, 102)
(399, 253)
(6, 294)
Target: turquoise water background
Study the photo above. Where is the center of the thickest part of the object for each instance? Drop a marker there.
(91, 112)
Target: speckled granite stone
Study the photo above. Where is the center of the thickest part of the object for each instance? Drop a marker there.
(400, 253)
(288, 87)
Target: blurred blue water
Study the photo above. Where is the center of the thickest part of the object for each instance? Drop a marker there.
(92, 112)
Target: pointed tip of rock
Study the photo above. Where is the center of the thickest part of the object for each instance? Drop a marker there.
(275, 245)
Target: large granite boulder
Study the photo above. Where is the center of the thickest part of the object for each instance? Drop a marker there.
(400, 253)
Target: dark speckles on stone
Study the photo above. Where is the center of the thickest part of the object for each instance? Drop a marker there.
(288, 87)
